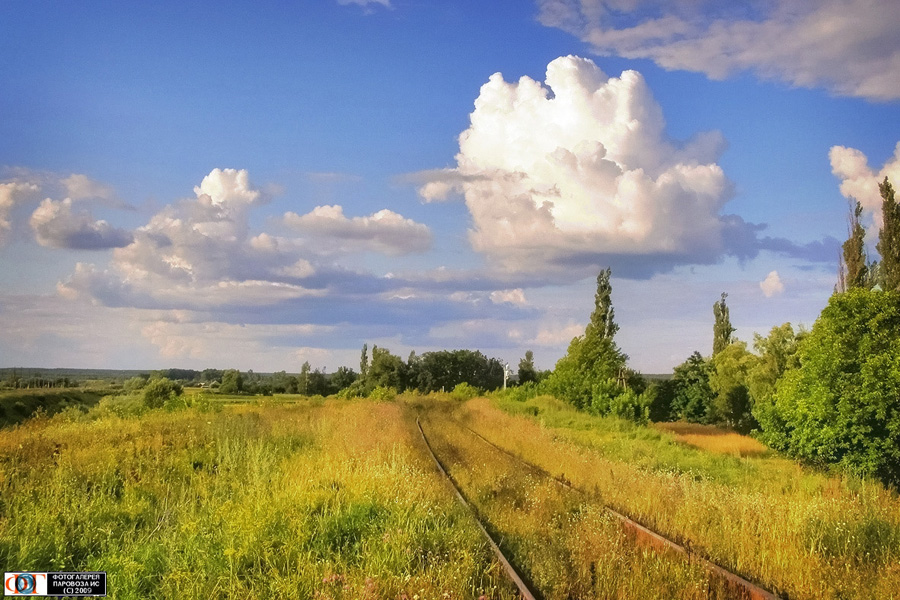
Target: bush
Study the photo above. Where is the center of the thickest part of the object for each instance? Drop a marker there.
(159, 392)
(842, 405)
(463, 391)
(383, 394)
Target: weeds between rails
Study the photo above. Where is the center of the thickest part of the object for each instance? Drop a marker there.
(740, 586)
(564, 547)
(803, 534)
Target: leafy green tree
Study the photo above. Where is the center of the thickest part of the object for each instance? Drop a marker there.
(842, 404)
(731, 404)
(232, 382)
(364, 361)
(445, 369)
(303, 380)
(210, 375)
(134, 384)
(693, 395)
(853, 270)
(889, 238)
(342, 378)
(386, 370)
(160, 390)
(660, 398)
(722, 328)
(776, 354)
(527, 371)
(587, 375)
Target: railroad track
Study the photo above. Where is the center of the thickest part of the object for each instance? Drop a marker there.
(739, 586)
(524, 590)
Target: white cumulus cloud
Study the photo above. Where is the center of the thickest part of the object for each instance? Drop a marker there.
(13, 193)
(849, 47)
(57, 225)
(580, 170)
(516, 296)
(383, 231)
(859, 181)
(771, 285)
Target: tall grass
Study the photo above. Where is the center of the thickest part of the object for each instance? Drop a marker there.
(802, 533)
(303, 501)
(566, 547)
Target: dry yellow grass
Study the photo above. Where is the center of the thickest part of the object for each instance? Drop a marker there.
(714, 439)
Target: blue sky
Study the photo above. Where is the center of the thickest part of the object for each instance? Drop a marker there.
(232, 184)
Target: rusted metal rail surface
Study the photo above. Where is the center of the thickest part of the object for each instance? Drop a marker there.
(742, 588)
(510, 570)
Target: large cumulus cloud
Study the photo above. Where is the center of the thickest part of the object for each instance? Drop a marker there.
(859, 181)
(849, 47)
(580, 172)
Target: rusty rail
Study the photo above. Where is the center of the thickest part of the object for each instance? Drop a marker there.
(743, 587)
(510, 570)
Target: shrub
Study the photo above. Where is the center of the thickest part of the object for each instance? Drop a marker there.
(842, 405)
(464, 391)
(159, 392)
(383, 393)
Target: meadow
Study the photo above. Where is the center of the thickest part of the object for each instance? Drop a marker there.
(312, 500)
(295, 497)
(802, 533)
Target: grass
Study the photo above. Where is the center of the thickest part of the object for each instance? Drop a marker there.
(713, 439)
(565, 547)
(801, 533)
(16, 406)
(312, 500)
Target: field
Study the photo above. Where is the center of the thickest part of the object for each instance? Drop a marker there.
(310, 498)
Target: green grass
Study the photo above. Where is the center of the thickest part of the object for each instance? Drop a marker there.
(803, 533)
(17, 406)
(303, 501)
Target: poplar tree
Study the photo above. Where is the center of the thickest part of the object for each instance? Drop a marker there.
(889, 238)
(364, 361)
(603, 323)
(854, 272)
(722, 328)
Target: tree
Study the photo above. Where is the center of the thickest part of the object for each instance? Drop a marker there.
(342, 378)
(889, 238)
(842, 404)
(853, 268)
(364, 362)
(445, 369)
(588, 375)
(232, 382)
(731, 405)
(722, 328)
(303, 380)
(527, 371)
(385, 370)
(693, 396)
(776, 354)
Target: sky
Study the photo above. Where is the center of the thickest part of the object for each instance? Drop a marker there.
(256, 185)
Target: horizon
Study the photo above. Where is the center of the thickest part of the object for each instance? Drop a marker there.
(237, 186)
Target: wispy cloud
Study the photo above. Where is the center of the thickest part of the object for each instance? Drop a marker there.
(849, 47)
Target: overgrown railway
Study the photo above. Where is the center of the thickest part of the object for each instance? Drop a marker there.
(736, 586)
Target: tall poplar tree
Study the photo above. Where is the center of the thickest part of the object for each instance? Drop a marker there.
(889, 238)
(854, 272)
(589, 370)
(722, 328)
